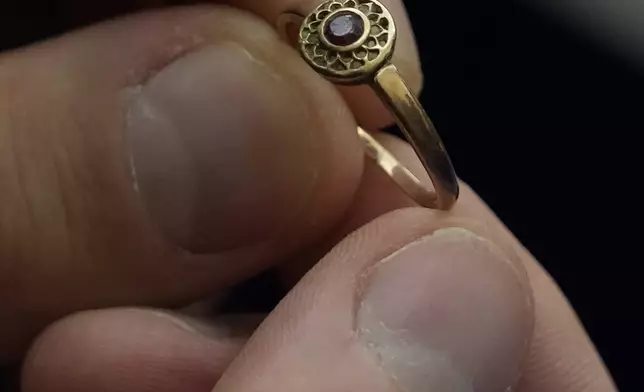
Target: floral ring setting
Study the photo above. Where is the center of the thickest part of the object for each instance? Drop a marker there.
(348, 40)
(352, 42)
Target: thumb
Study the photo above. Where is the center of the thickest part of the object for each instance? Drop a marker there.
(395, 309)
(157, 158)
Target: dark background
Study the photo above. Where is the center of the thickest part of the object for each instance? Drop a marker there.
(541, 121)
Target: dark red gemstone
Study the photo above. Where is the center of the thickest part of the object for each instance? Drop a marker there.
(344, 29)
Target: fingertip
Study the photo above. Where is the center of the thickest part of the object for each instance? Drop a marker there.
(128, 350)
(406, 302)
(452, 303)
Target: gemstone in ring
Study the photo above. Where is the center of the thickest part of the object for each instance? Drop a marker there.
(352, 42)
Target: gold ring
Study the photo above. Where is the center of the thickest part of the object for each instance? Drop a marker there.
(351, 42)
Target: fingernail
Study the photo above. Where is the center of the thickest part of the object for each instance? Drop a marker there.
(447, 313)
(216, 144)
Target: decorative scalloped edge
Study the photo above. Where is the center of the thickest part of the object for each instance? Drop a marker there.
(340, 62)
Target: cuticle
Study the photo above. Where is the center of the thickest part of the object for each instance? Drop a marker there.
(363, 279)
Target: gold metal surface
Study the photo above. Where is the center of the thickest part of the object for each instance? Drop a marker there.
(367, 61)
(397, 171)
(421, 134)
(355, 63)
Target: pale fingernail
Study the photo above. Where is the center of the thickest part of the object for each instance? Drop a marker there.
(447, 313)
(219, 154)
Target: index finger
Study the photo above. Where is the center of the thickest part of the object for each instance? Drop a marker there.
(367, 108)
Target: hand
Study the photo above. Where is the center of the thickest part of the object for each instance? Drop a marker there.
(157, 159)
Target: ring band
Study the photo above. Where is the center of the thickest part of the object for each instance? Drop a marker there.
(352, 42)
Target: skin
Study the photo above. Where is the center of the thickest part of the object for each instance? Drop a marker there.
(95, 246)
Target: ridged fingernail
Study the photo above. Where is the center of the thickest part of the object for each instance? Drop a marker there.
(447, 313)
(215, 147)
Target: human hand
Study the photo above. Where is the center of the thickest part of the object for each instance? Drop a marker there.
(158, 159)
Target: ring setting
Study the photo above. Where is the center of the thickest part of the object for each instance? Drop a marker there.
(352, 42)
(347, 42)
